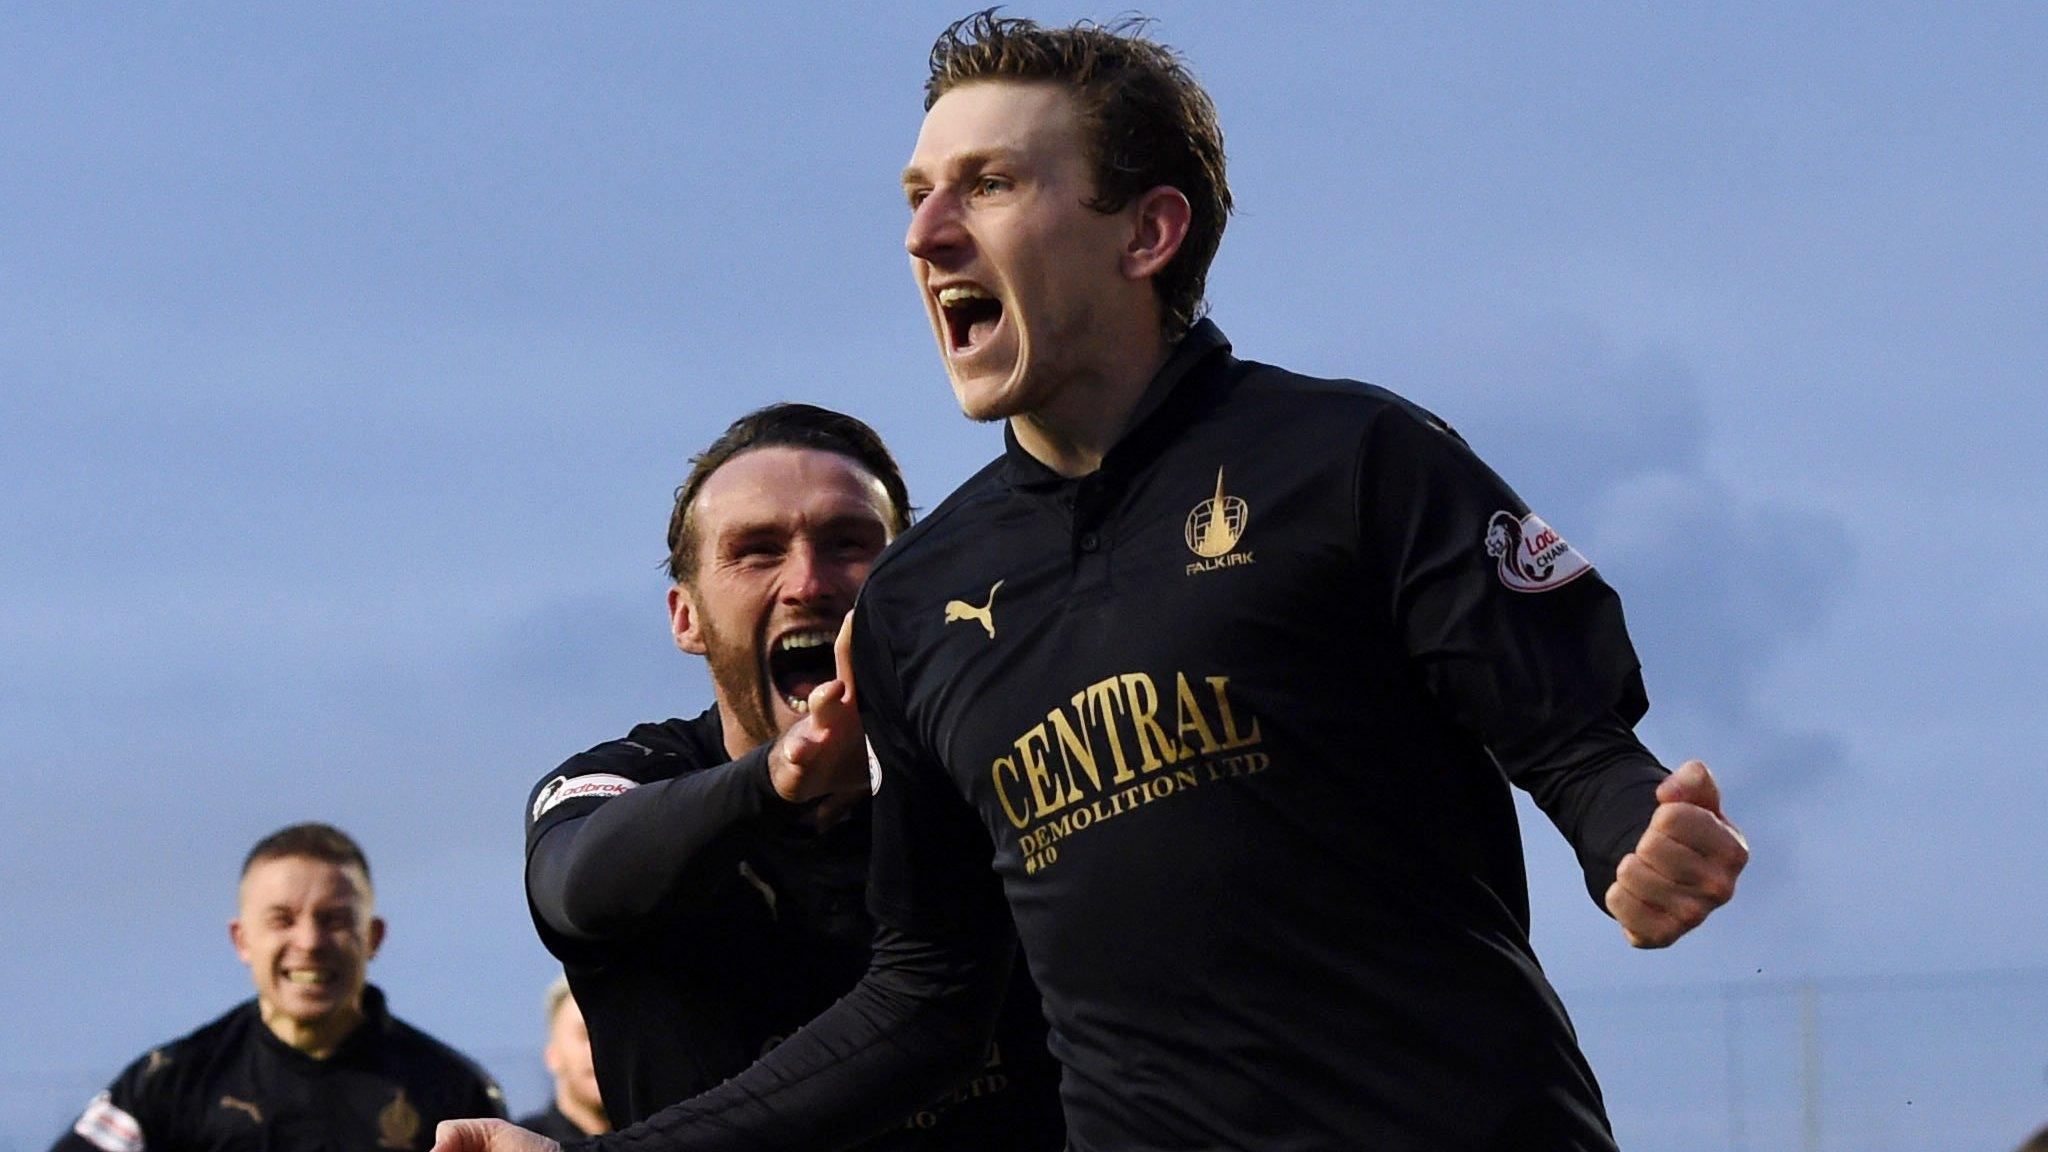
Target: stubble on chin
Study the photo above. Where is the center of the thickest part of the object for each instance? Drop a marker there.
(751, 706)
(737, 673)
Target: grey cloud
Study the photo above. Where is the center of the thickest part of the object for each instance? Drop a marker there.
(1612, 448)
(1556, 410)
(1724, 582)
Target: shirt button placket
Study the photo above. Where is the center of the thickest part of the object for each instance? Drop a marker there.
(1090, 535)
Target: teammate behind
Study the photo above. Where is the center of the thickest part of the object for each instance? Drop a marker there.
(577, 1109)
(315, 1061)
(703, 881)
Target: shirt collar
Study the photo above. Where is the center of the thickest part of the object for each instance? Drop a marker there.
(1203, 342)
(368, 1034)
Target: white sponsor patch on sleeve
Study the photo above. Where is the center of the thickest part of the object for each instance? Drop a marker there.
(108, 1127)
(602, 785)
(1529, 554)
(874, 768)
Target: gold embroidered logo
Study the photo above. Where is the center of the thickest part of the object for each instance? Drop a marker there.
(398, 1124)
(1120, 744)
(984, 614)
(240, 1105)
(157, 1062)
(1213, 529)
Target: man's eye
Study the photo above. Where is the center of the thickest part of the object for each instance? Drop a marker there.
(917, 197)
(990, 185)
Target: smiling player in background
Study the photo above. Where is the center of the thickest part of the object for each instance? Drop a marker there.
(315, 1061)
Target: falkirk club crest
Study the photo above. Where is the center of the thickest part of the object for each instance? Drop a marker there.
(1213, 527)
(1529, 554)
(398, 1124)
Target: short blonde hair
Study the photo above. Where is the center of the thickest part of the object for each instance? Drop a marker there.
(557, 992)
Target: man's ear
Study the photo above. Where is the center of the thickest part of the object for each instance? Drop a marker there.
(683, 622)
(235, 935)
(1159, 227)
(376, 936)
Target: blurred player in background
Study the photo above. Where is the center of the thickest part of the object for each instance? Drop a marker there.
(577, 1110)
(315, 1061)
(703, 881)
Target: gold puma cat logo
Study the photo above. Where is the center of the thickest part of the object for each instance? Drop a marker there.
(241, 1105)
(985, 614)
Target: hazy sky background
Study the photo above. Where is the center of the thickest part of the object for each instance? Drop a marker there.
(348, 359)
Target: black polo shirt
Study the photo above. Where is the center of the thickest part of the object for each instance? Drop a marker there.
(1234, 717)
(233, 1086)
(727, 924)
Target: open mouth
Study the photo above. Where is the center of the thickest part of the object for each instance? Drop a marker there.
(972, 315)
(799, 662)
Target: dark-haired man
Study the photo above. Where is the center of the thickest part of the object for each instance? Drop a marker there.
(315, 1062)
(1227, 671)
(702, 880)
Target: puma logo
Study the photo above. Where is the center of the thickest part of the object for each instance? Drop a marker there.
(984, 614)
(240, 1105)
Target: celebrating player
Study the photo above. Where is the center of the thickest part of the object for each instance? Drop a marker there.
(315, 1061)
(702, 880)
(1226, 670)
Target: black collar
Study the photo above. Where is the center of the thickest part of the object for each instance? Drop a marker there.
(1204, 341)
(365, 1037)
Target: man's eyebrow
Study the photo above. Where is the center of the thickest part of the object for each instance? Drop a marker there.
(750, 530)
(840, 522)
(962, 163)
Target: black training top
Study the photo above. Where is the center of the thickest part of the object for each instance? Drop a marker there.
(1235, 716)
(1234, 719)
(700, 921)
(233, 1086)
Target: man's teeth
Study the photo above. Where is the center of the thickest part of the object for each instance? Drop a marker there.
(797, 640)
(306, 976)
(958, 293)
(796, 705)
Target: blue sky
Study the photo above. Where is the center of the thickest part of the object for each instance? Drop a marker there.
(348, 358)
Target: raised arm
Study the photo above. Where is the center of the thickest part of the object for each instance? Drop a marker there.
(599, 862)
(917, 1024)
(598, 870)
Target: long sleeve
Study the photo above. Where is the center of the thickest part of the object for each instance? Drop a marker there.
(1511, 631)
(597, 866)
(1599, 788)
(915, 1025)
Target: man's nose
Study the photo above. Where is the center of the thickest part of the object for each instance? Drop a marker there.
(934, 228)
(807, 576)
